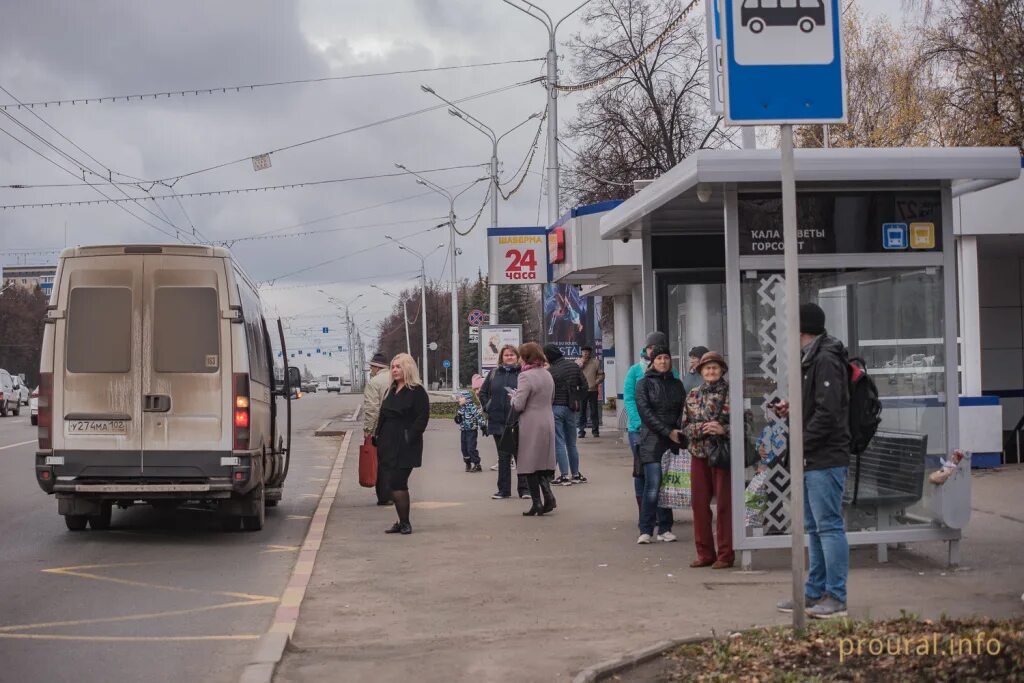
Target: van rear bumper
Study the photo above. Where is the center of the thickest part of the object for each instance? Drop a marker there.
(152, 474)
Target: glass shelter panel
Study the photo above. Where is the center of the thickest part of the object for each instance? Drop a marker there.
(892, 318)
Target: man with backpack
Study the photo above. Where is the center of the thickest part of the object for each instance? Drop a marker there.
(826, 420)
(570, 388)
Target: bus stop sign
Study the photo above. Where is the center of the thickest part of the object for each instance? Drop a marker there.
(784, 62)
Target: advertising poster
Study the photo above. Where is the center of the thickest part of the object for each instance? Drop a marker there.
(568, 320)
(517, 256)
(492, 338)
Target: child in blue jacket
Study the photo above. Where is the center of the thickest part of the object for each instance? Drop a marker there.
(469, 419)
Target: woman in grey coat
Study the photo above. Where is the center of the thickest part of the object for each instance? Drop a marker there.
(536, 454)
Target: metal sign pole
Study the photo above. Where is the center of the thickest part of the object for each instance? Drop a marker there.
(790, 250)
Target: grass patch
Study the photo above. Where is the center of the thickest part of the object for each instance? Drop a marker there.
(904, 649)
(444, 410)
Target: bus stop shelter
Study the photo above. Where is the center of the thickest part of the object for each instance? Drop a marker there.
(878, 254)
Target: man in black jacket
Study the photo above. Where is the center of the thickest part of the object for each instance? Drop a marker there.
(826, 408)
(570, 385)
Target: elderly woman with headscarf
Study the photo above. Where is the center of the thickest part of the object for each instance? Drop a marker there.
(707, 429)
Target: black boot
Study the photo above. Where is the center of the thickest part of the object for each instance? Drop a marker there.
(545, 490)
(533, 481)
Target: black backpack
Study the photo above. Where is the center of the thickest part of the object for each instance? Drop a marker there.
(865, 407)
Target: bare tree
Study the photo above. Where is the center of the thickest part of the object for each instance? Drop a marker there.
(654, 114)
(890, 92)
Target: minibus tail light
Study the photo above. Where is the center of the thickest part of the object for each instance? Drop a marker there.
(45, 411)
(240, 410)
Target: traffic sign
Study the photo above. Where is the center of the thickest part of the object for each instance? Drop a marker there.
(716, 79)
(476, 317)
(783, 62)
(432, 346)
(474, 334)
(446, 364)
(326, 330)
(894, 236)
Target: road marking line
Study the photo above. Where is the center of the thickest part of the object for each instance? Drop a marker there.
(132, 617)
(287, 615)
(297, 517)
(126, 639)
(15, 445)
(74, 571)
(355, 413)
(281, 549)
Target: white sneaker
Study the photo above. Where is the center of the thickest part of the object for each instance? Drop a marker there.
(644, 539)
(494, 468)
(667, 537)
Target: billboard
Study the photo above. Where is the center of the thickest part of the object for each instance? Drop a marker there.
(517, 256)
(492, 338)
(568, 319)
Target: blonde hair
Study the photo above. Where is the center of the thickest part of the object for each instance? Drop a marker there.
(410, 372)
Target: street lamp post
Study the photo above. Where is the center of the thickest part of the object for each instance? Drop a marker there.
(423, 300)
(552, 80)
(405, 314)
(478, 125)
(452, 254)
(343, 306)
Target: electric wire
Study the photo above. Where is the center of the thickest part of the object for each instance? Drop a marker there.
(253, 86)
(527, 162)
(228, 191)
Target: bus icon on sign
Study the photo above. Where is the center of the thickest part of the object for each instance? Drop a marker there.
(805, 14)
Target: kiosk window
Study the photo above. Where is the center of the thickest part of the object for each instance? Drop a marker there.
(99, 337)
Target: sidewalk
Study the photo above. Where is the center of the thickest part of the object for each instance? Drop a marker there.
(481, 593)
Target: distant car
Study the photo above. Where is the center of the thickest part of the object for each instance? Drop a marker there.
(805, 14)
(10, 394)
(309, 387)
(334, 384)
(33, 406)
(321, 386)
(25, 393)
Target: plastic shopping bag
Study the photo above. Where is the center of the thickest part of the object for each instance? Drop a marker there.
(675, 480)
(755, 500)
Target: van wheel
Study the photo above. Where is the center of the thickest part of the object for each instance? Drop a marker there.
(3, 409)
(17, 408)
(34, 420)
(76, 522)
(101, 522)
(257, 500)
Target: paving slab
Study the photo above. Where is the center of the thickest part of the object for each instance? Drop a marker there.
(480, 593)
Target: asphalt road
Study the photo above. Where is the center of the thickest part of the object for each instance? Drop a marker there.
(161, 596)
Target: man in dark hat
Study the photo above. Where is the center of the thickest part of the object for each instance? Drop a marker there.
(373, 396)
(570, 387)
(826, 419)
(692, 378)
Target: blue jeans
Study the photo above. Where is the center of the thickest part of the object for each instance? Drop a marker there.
(647, 486)
(828, 551)
(470, 454)
(565, 441)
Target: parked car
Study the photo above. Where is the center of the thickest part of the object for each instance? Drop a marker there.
(23, 390)
(10, 394)
(157, 386)
(309, 387)
(33, 407)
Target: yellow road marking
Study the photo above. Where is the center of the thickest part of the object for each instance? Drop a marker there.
(132, 617)
(434, 505)
(298, 517)
(74, 571)
(126, 639)
(281, 548)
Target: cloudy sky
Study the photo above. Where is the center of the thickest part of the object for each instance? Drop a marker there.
(59, 49)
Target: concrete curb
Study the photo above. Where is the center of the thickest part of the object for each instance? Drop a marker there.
(271, 645)
(631, 660)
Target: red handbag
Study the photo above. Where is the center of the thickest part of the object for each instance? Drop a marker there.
(368, 463)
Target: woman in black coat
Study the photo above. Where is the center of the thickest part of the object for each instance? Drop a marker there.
(494, 398)
(400, 426)
(659, 400)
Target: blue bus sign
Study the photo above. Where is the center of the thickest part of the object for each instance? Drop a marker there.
(783, 62)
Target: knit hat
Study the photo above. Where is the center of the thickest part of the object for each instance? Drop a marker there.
(712, 357)
(656, 339)
(698, 352)
(812, 319)
(658, 351)
(552, 353)
(379, 360)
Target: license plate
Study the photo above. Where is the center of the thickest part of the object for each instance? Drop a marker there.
(96, 427)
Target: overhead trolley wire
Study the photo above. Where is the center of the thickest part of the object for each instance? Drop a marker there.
(252, 86)
(229, 191)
